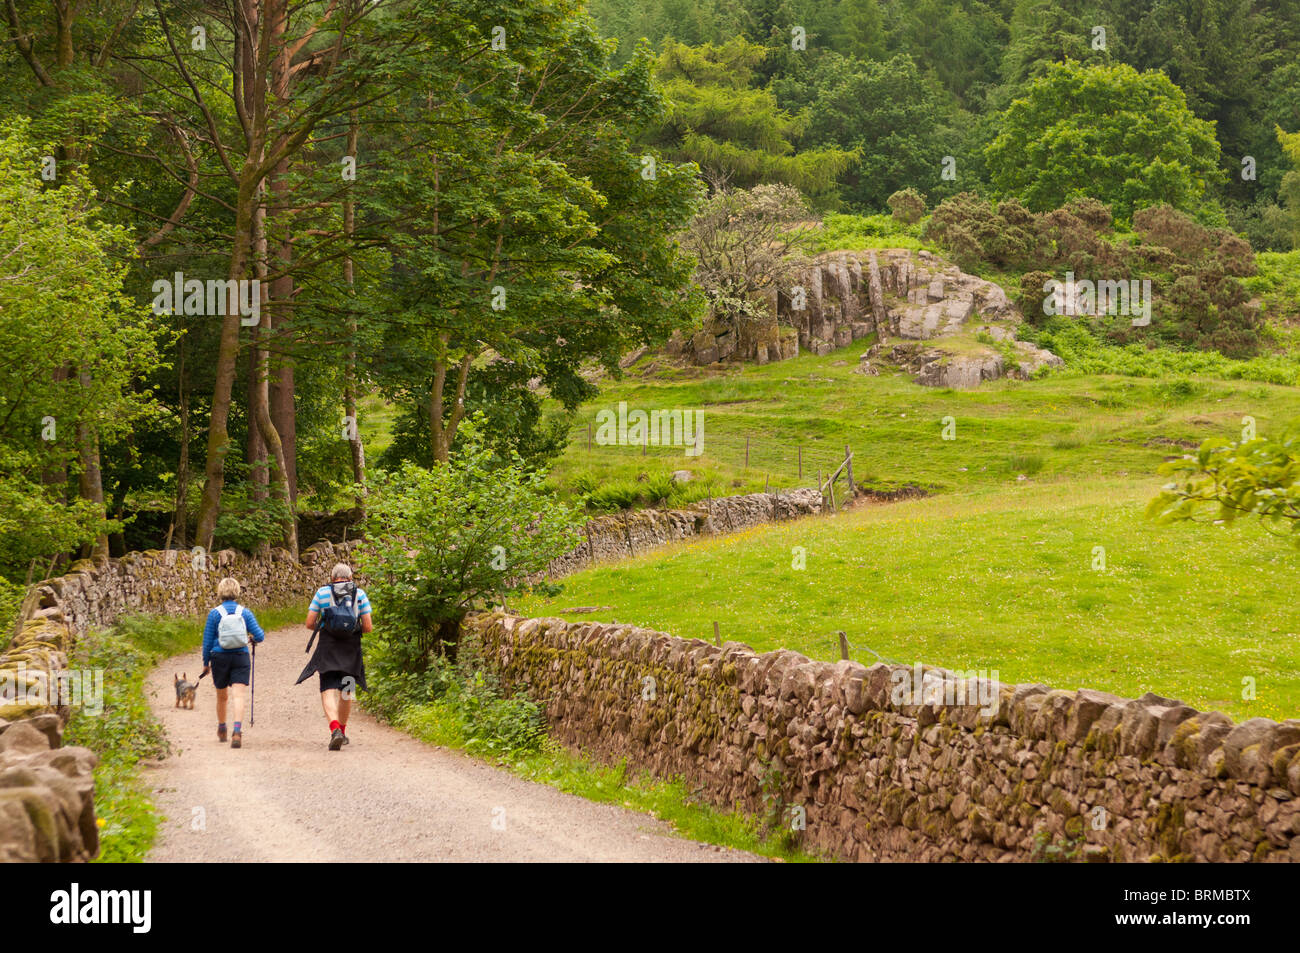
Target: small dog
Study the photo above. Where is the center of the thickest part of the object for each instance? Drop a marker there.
(184, 691)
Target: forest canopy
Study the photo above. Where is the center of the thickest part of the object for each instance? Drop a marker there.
(458, 210)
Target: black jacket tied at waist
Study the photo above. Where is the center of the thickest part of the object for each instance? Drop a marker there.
(336, 653)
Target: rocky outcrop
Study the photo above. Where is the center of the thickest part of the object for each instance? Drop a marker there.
(937, 367)
(863, 771)
(845, 296)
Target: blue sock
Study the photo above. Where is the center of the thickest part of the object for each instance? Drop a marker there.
(237, 726)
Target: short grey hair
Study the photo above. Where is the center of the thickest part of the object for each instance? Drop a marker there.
(341, 571)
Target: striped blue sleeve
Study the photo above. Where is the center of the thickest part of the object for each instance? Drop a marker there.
(363, 603)
(319, 601)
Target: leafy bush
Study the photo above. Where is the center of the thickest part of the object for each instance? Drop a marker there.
(973, 230)
(247, 523)
(907, 206)
(1085, 352)
(439, 541)
(1031, 296)
(1178, 390)
(864, 231)
(1194, 270)
(11, 600)
(616, 495)
(453, 702)
(1276, 283)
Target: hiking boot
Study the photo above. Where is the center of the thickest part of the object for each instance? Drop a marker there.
(236, 738)
(221, 735)
(346, 739)
(336, 739)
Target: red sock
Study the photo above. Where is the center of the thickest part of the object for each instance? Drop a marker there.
(334, 726)
(343, 728)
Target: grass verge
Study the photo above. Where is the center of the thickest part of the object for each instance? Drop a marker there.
(125, 732)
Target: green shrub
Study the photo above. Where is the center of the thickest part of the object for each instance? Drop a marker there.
(659, 489)
(11, 600)
(853, 232)
(1031, 295)
(616, 495)
(441, 541)
(452, 702)
(1084, 352)
(907, 206)
(1177, 391)
(246, 523)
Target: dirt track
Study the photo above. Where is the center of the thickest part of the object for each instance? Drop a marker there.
(385, 797)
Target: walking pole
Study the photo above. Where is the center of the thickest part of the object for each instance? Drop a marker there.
(252, 679)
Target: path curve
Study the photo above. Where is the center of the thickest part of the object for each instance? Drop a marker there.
(385, 797)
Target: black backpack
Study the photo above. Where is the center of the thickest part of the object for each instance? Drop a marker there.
(340, 617)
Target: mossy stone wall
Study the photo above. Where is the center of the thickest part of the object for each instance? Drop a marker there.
(1037, 774)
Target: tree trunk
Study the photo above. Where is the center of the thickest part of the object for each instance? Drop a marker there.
(443, 434)
(91, 480)
(227, 353)
(180, 514)
(282, 407)
(350, 373)
(255, 452)
(259, 410)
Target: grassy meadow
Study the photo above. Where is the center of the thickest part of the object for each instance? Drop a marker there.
(1031, 556)
(1062, 427)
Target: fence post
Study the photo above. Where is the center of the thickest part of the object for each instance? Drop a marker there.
(800, 459)
(844, 645)
(717, 638)
(588, 438)
(746, 453)
(627, 534)
(848, 466)
(821, 487)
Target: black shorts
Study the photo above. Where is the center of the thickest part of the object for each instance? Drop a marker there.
(329, 680)
(229, 668)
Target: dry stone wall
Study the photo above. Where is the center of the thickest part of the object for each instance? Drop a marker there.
(627, 534)
(97, 592)
(1096, 776)
(47, 809)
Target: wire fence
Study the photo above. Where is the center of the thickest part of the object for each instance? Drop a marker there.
(780, 464)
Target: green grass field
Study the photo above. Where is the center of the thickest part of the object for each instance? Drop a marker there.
(1063, 427)
(993, 571)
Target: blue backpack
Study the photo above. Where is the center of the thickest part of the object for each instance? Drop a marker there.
(340, 616)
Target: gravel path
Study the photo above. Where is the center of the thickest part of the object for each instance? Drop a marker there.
(385, 797)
